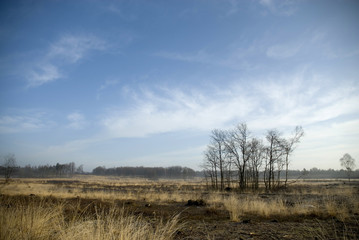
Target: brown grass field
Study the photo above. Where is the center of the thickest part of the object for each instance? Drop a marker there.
(92, 207)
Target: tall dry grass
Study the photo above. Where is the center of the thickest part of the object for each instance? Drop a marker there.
(48, 221)
(116, 224)
(249, 206)
(29, 221)
(278, 207)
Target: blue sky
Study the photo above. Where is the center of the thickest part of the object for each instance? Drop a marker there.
(142, 83)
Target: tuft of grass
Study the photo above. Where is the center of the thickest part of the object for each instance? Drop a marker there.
(30, 221)
(116, 224)
(240, 207)
(233, 205)
(339, 210)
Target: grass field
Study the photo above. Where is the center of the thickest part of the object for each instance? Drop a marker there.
(91, 207)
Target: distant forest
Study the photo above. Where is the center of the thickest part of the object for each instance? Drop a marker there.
(147, 172)
(70, 169)
(175, 172)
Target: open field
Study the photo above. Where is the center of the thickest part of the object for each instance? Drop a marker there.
(91, 207)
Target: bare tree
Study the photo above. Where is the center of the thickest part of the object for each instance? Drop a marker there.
(289, 146)
(280, 162)
(217, 139)
(228, 167)
(238, 145)
(9, 165)
(274, 152)
(211, 164)
(256, 160)
(72, 168)
(242, 136)
(236, 149)
(80, 169)
(348, 163)
(233, 150)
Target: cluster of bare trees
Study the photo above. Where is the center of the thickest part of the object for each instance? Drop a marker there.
(235, 156)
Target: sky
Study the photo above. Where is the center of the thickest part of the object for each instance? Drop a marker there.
(143, 83)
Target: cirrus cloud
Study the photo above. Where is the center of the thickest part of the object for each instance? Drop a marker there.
(286, 102)
(69, 49)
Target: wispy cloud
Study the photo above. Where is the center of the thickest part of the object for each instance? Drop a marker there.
(199, 56)
(72, 48)
(280, 7)
(233, 9)
(235, 59)
(289, 100)
(107, 84)
(323, 144)
(42, 74)
(258, 53)
(340, 52)
(112, 8)
(282, 51)
(77, 121)
(73, 146)
(264, 104)
(104, 86)
(175, 110)
(69, 49)
(28, 121)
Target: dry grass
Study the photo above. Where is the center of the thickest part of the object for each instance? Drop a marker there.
(49, 221)
(118, 225)
(326, 201)
(326, 206)
(30, 221)
(323, 232)
(107, 189)
(266, 208)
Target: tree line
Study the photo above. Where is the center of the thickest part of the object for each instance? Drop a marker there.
(315, 173)
(254, 169)
(42, 171)
(236, 156)
(147, 172)
(11, 169)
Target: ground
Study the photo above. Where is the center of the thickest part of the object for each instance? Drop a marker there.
(330, 208)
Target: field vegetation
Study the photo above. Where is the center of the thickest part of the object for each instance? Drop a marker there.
(93, 207)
